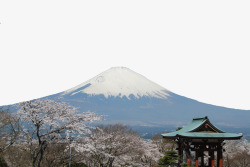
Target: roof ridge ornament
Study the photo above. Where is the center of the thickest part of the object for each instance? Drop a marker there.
(199, 118)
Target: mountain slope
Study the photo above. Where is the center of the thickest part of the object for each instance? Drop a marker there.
(128, 97)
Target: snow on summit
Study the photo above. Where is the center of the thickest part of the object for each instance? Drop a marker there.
(120, 82)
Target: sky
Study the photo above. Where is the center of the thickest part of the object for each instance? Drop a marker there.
(197, 49)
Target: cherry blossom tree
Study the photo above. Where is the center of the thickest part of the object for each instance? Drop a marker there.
(237, 153)
(163, 144)
(151, 154)
(116, 145)
(47, 121)
(9, 129)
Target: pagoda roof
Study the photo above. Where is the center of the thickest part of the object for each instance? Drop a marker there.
(201, 128)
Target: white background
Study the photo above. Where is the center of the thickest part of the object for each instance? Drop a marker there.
(198, 49)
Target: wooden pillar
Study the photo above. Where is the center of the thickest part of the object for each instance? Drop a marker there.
(188, 155)
(219, 156)
(188, 162)
(187, 152)
(196, 159)
(221, 162)
(180, 153)
(212, 165)
(202, 157)
(219, 159)
(211, 159)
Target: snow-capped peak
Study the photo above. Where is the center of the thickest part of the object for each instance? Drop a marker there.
(119, 82)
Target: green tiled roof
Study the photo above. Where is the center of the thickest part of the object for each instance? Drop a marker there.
(191, 131)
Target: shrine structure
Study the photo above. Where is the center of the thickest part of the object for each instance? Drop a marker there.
(203, 138)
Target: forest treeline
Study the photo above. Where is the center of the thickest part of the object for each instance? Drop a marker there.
(48, 133)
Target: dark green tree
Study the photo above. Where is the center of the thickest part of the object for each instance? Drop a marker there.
(170, 159)
(179, 128)
(2, 162)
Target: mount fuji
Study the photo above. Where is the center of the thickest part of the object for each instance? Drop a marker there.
(127, 97)
(119, 82)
